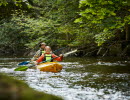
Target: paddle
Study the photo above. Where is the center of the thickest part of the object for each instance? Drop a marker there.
(24, 68)
(24, 63)
(27, 62)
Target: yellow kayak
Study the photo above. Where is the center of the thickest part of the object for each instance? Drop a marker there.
(50, 67)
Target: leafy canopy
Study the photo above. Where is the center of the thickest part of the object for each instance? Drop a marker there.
(104, 17)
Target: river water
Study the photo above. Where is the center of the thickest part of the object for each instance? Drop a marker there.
(80, 78)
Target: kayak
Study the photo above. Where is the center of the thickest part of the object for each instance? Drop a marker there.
(50, 67)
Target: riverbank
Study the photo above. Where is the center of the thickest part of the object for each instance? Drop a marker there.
(12, 89)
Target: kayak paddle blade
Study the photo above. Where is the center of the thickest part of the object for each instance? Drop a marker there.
(24, 63)
(24, 68)
(21, 68)
(71, 52)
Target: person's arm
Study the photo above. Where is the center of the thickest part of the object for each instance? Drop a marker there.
(40, 59)
(58, 58)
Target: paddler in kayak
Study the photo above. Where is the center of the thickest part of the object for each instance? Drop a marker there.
(39, 52)
(48, 56)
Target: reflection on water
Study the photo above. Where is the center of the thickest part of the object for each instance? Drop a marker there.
(80, 79)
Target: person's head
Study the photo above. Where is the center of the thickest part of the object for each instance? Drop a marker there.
(47, 49)
(42, 45)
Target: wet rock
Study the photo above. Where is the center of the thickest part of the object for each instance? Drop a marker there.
(12, 89)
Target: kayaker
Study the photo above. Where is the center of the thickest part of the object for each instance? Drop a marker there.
(39, 52)
(48, 56)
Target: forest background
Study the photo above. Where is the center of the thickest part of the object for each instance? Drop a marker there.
(95, 27)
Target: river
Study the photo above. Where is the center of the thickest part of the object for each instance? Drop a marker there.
(85, 78)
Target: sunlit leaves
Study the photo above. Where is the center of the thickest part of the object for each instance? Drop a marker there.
(127, 19)
(104, 16)
(3, 2)
(103, 37)
(50, 21)
(16, 2)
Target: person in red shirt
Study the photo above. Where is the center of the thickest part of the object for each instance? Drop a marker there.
(49, 56)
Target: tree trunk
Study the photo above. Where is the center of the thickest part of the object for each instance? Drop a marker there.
(126, 44)
(127, 29)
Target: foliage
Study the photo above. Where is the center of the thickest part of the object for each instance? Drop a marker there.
(16, 2)
(48, 21)
(104, 17)
(18, 31)
(57, 22)
(11, 34)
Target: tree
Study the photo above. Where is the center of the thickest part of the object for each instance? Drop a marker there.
(104, 17)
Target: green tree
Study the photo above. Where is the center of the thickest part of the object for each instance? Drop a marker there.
(105, 17)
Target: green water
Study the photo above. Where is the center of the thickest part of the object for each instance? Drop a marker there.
(80, 78)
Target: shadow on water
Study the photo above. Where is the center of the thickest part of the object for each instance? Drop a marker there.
(80, 79)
